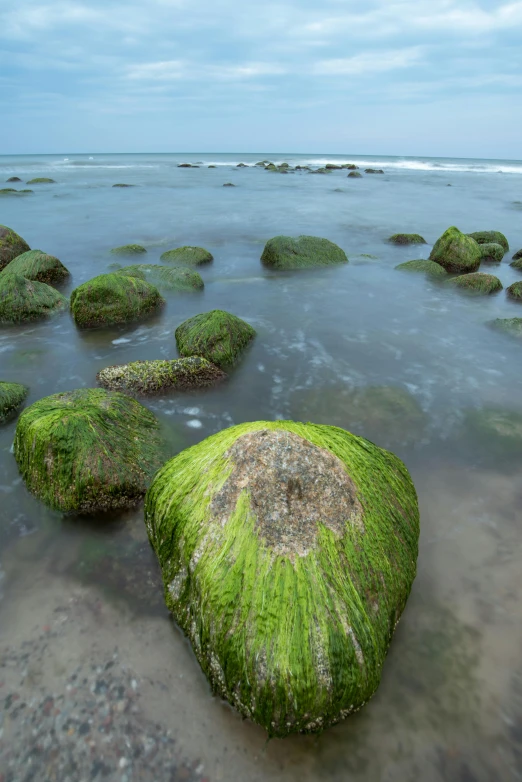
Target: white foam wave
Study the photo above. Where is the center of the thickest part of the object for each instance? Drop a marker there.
(466, 166)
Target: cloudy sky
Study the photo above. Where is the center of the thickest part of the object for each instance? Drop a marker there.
(428, 77)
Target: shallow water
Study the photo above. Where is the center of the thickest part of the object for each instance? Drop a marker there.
(450, 703)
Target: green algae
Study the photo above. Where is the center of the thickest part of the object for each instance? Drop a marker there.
(477, 283)
(129, 249)
(510, 326)
(430, 268)
(88, 450)
(12, 396)
(515, 291)
(11, 245)
(295, 642)
(517, 256)
(303, 252)
(187, 256)
(491, 252)
(26, 300)
(165, 278)
(110, 299)
(517, 263)
(10, 191)
(490, 237)
(456, 252)
(373, 171)
(39, 266)
(407, 239)
(41, 180)
(218, 336)
(156, 377)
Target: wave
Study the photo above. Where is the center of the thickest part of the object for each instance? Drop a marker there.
(439, 166)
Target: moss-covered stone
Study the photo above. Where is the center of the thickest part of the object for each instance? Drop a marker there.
(14, 179)
(355, 175)
(187, 256)
(517, 263)
(511, 326)
(271, 167)
(477, 283)
(129, 249)
(11, 245)
(373, 171)
(350, 166)
(41, 180)
(12, 396)
(155, 377)
(430, 268)
(10, 191)
(407, 239)
(515, 291)
(490, 237)
(218, 336)
(518, 255)
(110, 299)
(496, 431)
(37, 265)
(491, 252)
(229, 184)
(165, 278)
(288, 552)
(25, 300)
(456, 252)
(303, 252)
(88, 450)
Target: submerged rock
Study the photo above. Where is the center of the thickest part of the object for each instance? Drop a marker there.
(456, 252)
(187, 256)
(41, 180)
(218, 336)
(122, 184)
(355, 175)
(496, 431)
(26, 300)
(12, 396)
(490, 237)
(129, 249)
(511, 326)
(491, 252)
(155, 377)
(515, 291)
(288, 552)
(88, 450)
(477, 283)
(110, 299)
(165, 278)
(373, 171)
(10, 191)
(228, 184)
(303, 252)
(37, 265)
(430, 268)
(14, 179)
(11, 245)
(407, 239)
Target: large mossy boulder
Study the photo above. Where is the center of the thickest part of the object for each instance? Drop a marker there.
(25, 300)
(187, 256)
(477, 283)
(156, 377)
(110, 299)
(430, 268)
(456, 252)
(288, 552)
(510, 326)
(12, 397)
(406, 239)
(172, 278)
(303, 252)
(129, 249)
(88, 450)
(490, 237)
(218, 336)
(515, 291)
(11, 245)
(39, 266)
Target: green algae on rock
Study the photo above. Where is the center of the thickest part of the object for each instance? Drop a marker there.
(37, 265)
(114, 298)
(491, 252)
(218, 336)
(497, 431)
(515, 291)
(187, 256)
(129, 249)
(12, 396)
(10, 191)
(430, 268)
(165, 278)
(155, 377)
(355, 175)
(373, 171)
(407, 239)
(288, 552)
(41, 180)
(517, 263)
(517, 256)
(477, 283)
(26, 300)
(88, 450)
(11, 245)
(490, 237)
(303, 252)
(511, 326)
(456, 252)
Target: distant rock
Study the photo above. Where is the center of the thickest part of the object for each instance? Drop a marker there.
(373, 171)
(129, 249)
(456, 252)
(477, 283)
(14, 179)
(169, 278)
(187, 256)
(228, 184)
(303, 252)
(430, 268)
(355, 175)
(41, 180)
(122, 184)
(407, 239)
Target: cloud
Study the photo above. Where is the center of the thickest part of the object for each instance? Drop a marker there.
(369, 62)
(175, 70)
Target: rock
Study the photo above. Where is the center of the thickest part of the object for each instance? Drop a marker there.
(155, 377)
(490, 237)
(515, 291)
(186, 165)
(110, 299)
(10, 191)
(406, 239)
(229, 184)
(350, 166)
(211, 166)
(491, 252)
(263, 163)
(518, 255)
(129, 249)
(11, 245)
(122, 184)
(355, 175)
(26, 300)
(511, 326)
(41, 180)
(164, 278)
(495, 431)
(322, 170)
(287, 252)
(88, 450)
(288, 552)
(217, 336)
(37, 265)
(373, 171)
(241, 165)
(430, 268)
(477, 283)
(14, 179)
(456, 252)
(187, 256)
(333, 167)
(270, 167)
(12, 396)
(517, 264)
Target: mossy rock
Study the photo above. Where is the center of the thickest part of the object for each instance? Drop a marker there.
(122, 184)
(430, 268)
(11, 245)
(271, 167)
(492, 252)
(490, 237)
(88, 450)
(218, 336)
(515, 291)
(156, 377)
(303, 252)
(350, 166)
(37, 265)
(517, 263)
(407, 239)
(129, 249)
(41, 180)
(288, 552)
(229, 184)
(511, 326)
(355, 175)
(14, 179)
(12, 397)
(518, 255)
(477, 283)
(10, 191)
(165, 278)
(24, 300)
(110, 299)
(456, 252)
(497, 432)
(373, 171)
(187, 256)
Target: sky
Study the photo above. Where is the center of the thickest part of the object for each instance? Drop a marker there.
(406, 77)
